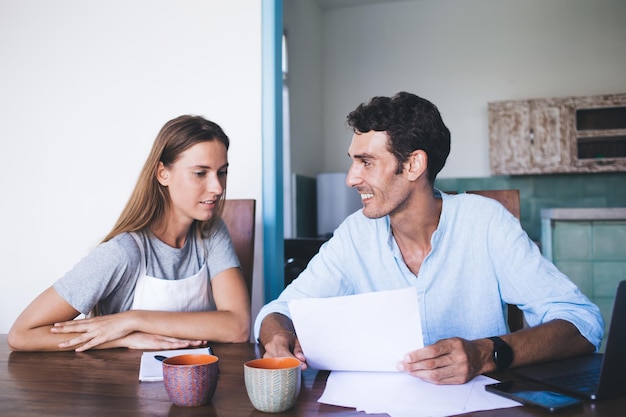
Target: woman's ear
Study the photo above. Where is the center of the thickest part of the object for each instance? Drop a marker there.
(162, 175)
(416, 165)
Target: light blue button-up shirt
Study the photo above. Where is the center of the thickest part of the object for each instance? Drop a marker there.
(481, 260)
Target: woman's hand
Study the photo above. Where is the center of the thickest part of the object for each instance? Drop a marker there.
(95, 331)
(147, 341)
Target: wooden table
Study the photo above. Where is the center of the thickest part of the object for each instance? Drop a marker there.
(105, 383)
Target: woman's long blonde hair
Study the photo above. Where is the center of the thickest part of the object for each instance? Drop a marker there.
(149, 200)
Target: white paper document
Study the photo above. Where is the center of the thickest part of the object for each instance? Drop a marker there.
(364, 332)
(151, 369)
(401, 395)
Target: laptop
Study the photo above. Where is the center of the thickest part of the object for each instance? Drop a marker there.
(596, 376)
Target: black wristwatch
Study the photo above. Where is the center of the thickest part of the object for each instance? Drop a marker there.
(502, 354)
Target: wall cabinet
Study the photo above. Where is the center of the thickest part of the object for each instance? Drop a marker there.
(552, 135)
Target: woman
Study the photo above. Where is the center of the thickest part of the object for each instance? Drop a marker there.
(166, 276)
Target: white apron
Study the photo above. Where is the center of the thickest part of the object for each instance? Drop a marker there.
(188, 294)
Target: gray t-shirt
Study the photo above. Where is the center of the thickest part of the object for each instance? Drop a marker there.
(108, 275)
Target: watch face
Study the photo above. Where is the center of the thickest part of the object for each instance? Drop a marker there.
(502, 353)
(504, 356)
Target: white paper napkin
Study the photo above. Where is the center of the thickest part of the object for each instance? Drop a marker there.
(151, 369)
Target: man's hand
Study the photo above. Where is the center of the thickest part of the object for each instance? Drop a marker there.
(456, 360)
(284, 345)
(279, 339)
(449, 361)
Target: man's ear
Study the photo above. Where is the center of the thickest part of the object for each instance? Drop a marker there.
(162, 175)
(416, 165)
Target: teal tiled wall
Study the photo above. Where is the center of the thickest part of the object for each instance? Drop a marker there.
(593, 255)
(549, 191)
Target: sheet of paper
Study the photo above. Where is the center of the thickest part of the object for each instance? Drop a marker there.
(364, 332)
(401, 395)
(151, 369)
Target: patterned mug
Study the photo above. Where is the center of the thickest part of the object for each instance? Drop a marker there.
(190, 380)
(273, 384)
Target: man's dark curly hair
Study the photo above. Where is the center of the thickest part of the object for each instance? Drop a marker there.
(411, 122)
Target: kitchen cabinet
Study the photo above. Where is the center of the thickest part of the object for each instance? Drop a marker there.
(557, 135)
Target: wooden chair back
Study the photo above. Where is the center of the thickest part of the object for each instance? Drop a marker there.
(511, 200)
(508, 198)
(239, 216)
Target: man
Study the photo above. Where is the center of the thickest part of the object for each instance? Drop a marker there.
(466, 254)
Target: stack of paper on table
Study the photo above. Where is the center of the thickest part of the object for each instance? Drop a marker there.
(401, 395)
(361, 338)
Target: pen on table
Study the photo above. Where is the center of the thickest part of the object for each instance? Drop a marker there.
(162, 358)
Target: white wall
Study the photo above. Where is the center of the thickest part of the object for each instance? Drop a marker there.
(302, 22)
(84, 88)
(462, 54)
